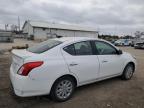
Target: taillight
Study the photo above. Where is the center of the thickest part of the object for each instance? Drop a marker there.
(27, 67)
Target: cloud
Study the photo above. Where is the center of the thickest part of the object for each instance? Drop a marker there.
(108, 16)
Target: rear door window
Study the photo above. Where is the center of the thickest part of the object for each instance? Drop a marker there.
(70, 49)
(44, 46)
(79, 48)
(83, 48)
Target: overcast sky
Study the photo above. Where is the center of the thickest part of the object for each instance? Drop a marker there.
(107, 16)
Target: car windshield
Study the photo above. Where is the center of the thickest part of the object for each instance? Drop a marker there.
(43, 46)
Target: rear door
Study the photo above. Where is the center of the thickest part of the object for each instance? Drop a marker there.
(81, 61)
(110, 62)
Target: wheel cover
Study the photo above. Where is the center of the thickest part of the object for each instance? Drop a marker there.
(129, 72)
(64, 89)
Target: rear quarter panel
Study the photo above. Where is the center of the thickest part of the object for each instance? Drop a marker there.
(53, 67)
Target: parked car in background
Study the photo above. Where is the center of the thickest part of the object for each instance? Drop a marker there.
(132, 43)
(57, 66)
(139, 45)
(123, 42)
(112, 41)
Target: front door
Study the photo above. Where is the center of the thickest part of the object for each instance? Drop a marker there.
(111, 63)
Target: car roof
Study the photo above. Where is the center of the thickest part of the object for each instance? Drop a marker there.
(67, 40)
(72, 39)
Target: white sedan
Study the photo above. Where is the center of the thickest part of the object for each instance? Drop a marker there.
(57, 66)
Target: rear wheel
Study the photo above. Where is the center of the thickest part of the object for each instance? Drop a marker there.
(128, 72)
(62, 89)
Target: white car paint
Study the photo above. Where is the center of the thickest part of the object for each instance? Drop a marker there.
(57, 62)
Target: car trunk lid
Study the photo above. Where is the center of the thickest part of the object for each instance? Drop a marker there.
(18, 57)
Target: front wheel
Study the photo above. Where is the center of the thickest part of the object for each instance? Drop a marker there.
(62, 89)
(128, 72)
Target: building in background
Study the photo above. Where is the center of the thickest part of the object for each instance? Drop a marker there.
(6, 36)
(45, 30)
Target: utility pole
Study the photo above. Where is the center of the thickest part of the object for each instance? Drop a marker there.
(19, 23)
(6, 25)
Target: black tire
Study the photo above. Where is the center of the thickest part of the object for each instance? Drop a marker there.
(53, 94)
(127, 75)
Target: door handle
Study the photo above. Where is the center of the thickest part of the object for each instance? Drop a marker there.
(104, 61)
(73, 64)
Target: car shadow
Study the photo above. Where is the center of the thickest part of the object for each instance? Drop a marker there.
(42, 99)
(98, 84)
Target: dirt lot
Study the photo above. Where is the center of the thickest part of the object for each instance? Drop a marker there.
(112, 93)
(17, 42)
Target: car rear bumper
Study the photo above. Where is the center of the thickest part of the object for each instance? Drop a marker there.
(24, 86)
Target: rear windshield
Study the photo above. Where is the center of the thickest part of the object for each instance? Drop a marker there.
(44, 46)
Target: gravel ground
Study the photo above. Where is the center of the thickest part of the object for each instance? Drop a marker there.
(112, 93)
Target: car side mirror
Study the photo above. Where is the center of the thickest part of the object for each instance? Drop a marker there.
(120, 52)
